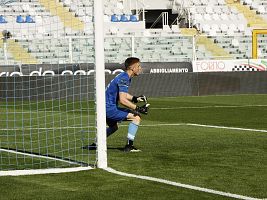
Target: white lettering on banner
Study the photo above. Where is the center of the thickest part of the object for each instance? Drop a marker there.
(80, 72)
(15, 73)
(38, 73)
(210, 66)
(52, 73)
(167, 70)
(66, 72)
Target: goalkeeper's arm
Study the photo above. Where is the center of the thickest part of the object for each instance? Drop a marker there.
(126, 100)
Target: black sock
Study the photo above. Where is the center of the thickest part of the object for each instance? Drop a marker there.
(130, 142)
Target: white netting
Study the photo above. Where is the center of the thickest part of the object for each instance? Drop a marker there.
(47, 96)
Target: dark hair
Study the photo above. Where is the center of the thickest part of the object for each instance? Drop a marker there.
(130, 61)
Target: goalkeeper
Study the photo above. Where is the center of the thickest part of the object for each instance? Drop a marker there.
(117, 93)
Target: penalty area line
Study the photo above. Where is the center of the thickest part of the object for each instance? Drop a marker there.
(191, 187)
(229, 128)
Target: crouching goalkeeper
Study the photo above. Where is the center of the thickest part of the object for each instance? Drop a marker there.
(117, 93)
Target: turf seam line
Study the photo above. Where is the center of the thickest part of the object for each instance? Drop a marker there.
(216, 192)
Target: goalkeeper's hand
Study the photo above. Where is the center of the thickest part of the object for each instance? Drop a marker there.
(139, 99)
(142, 109)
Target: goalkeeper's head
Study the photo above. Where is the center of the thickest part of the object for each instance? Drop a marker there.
(132, 64)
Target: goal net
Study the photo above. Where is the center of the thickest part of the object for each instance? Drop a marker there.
(48, 103)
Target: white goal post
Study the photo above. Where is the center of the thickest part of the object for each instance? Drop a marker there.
(100, 84)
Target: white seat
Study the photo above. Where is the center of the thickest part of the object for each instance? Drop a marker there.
(233, 17)
(207, 17)
(249, 2)
(113, 30)
(217, 9)
(221, 2)
(204, 2)
(248, 32)
(261, 9)
(215, 16)
(119, 5)
(233, 10)
(88, 19)
(241, 27)
(223, 27)
(225, 9)
(224, 16)
(232, 27)
(106, 18)
(209, 10)
(235, 42)
(67, 2)
(26, 7)
(198, 17)
(206, 28)
(215, 27)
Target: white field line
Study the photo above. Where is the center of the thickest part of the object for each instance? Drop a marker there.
(145, 125)
(203, 107)
(229, 128)
(207, 126)
(41, 171)
(191, 187)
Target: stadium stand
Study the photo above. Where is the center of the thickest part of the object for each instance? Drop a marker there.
(219, 29)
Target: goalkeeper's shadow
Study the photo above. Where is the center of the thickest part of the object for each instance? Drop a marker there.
(116, 148)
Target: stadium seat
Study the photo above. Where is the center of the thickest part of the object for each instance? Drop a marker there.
(209, 10)
(235, 43)
(2, 19)
(114, 18)
(206, 28)
(133, 18)
(215, 16)
(241, 27)
(124, 18)
(29, 19)
(223, 27)
(261, 9)
(20, 19)
(215, 28)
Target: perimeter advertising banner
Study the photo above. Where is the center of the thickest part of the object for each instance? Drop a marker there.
(230, 65)
(88, 69)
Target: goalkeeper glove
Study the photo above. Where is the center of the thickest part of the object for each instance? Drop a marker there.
(142, 109)
(139, 98)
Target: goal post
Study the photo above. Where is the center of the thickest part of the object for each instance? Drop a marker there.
(255, 34)
(100, 85)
